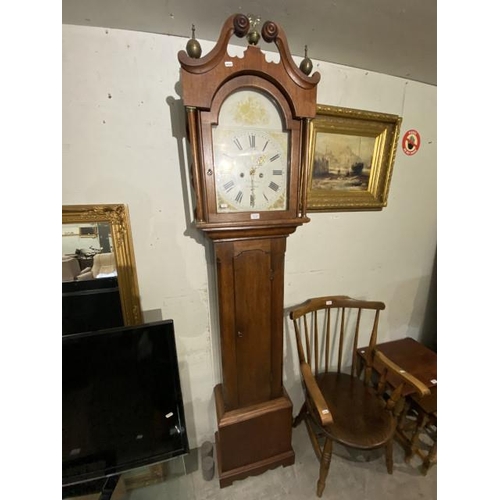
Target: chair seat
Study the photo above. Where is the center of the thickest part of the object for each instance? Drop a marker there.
(359, 418)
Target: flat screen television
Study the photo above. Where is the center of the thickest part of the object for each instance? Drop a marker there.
(122, 404)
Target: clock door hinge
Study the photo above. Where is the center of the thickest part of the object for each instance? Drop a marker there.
(271, 274)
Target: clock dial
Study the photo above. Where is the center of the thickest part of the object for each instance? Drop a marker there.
(251, 152)
(250, 170)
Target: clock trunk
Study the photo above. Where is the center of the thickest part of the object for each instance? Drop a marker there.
(254, 412)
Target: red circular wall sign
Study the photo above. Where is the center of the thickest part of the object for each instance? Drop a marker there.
(411, 142)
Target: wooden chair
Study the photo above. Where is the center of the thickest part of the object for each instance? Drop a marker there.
(338, 405)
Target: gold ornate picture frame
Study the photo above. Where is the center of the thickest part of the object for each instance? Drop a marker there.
(352, 157)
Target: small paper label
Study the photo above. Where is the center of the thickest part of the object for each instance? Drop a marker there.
(324, 412)
(254, 216)
(228, 64)
(168, 415)
(434, 381)
(328, 302)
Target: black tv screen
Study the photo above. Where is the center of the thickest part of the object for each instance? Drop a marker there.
(121, 401)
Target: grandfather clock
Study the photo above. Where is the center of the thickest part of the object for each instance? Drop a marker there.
(248, 124)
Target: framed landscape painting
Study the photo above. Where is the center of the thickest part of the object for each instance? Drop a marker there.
(352, 156)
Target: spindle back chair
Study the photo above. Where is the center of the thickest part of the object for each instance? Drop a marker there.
(339, 406)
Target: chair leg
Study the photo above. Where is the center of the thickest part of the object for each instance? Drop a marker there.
(314, 440)
(403, 417)
(388, 456)
(326, 458)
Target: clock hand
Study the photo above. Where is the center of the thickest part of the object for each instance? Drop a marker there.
(261, 160)
(252, 187)
(252, 199)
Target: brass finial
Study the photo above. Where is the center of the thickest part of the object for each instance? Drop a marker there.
(253, 36)
(193, 47)
(306, 65)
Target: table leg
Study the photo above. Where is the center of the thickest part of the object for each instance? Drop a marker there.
(430, 459)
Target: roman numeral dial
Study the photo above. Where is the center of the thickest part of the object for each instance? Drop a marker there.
(251, 169)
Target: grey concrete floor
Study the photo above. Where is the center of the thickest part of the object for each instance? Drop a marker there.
(353, 475)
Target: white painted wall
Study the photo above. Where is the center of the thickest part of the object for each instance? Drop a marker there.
(123, 142)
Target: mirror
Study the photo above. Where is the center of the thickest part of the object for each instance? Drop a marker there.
(97, 243)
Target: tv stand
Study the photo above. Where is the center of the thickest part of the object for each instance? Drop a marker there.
(109, 487)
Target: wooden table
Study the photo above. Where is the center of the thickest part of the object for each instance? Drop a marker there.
(411, 356)
(421, 362)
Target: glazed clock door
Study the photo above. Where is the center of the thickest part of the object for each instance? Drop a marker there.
(251, 152)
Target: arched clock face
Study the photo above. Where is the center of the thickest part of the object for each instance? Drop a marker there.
(251, 153)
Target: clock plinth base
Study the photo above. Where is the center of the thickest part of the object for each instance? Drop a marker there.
(254, 439)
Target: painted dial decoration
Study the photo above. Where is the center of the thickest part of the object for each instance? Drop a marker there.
(250, 154)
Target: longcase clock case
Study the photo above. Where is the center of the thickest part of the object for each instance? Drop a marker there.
(254, 412)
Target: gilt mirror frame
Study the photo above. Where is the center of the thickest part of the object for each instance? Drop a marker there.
(118, 218)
